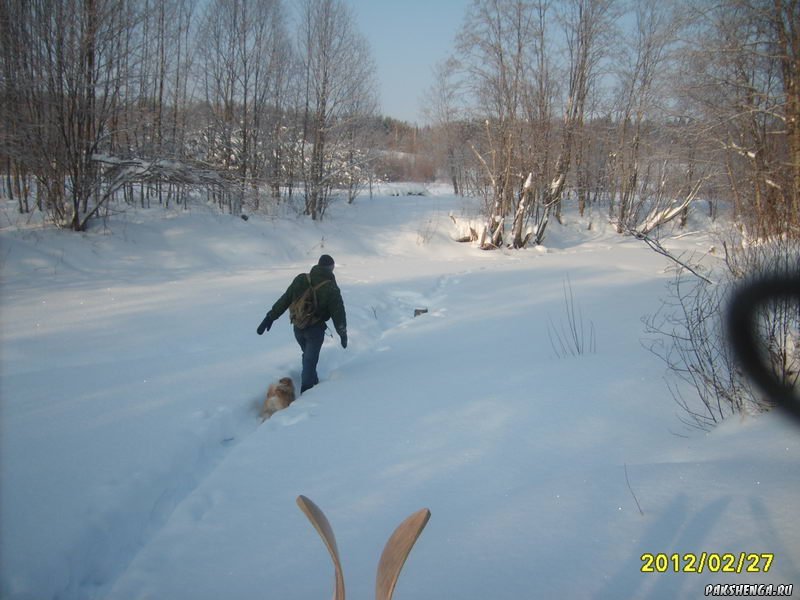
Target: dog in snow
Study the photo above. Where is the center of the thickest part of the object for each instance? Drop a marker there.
(279, 396)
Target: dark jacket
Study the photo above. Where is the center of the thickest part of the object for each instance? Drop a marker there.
(329, 298)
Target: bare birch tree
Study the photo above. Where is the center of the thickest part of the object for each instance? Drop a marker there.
(244, 63)
(157, 60)
(587, 25)
(442, 107)
(495, 48)
(741, 74)
(507, 54)
(539, 112)
(641, 80)
(339, 74)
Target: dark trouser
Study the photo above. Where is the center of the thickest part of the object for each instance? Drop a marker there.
(310, 340)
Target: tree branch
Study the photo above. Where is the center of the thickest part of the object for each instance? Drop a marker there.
(657, 247)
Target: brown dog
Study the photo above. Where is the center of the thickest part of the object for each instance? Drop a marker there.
(279, 396)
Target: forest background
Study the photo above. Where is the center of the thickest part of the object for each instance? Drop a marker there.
(620, 106)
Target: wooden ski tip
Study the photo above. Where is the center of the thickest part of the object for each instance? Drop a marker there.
(396, 552)
(322, 525)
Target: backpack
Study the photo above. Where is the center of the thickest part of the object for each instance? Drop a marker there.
(302, 312)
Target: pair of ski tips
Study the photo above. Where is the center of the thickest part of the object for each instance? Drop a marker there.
(394, 553)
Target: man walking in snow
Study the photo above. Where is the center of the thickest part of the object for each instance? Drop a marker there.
(312, 298)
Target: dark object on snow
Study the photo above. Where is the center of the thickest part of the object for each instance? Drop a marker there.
(420, 311)
(329, 305)
(244, 217)
(743, 333)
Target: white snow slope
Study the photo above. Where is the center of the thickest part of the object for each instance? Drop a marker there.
(134, 465)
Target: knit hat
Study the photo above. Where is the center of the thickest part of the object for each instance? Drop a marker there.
(326, 261)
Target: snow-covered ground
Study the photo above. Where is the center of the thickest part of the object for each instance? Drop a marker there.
(134, 465)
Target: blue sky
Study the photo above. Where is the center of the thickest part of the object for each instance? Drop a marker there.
(408, 37)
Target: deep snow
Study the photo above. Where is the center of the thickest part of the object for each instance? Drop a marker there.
(134, 466)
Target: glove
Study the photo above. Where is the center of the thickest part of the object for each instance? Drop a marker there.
(265, 324)
(343, 337)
